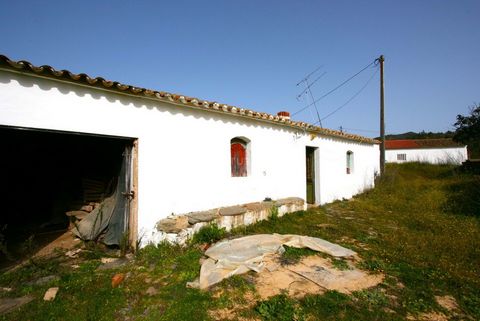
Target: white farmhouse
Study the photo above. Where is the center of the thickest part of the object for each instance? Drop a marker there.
(83, 145)
(434, 151)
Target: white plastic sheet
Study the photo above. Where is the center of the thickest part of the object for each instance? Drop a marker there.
(238, 256)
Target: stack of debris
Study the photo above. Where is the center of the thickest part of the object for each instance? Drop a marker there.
(93, 193)
(101, 217)
(81, 212)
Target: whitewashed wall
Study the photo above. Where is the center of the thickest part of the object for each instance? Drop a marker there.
(184, 154)
(429, 155)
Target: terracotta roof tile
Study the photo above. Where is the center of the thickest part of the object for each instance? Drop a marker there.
(421, 143)
(48, 71)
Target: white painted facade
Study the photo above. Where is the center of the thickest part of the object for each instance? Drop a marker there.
(450, 155)
(184, 153)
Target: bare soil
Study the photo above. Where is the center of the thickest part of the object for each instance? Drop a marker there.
(312, 275)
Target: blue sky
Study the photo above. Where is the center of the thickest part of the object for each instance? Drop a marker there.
(252, 54)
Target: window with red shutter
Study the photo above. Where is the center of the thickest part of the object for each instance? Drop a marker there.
(238, 153)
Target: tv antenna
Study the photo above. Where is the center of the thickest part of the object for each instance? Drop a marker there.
(308, 86)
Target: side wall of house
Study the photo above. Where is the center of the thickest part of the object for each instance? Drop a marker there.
(183, 153)
(335, 182)
(428, 155)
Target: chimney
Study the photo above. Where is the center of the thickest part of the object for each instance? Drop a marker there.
(285, 115)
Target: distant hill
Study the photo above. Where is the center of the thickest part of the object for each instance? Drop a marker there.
(420, 135)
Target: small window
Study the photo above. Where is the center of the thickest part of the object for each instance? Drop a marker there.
(402, 157)
(349, 162)
(239, 157)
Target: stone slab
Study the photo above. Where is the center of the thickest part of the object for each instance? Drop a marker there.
(9, 304)
(259, 206)
(290, 201)
(173, 224)
(203, 216)
(78, 214)
(232, 210)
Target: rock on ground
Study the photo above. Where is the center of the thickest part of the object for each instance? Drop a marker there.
(50, 294)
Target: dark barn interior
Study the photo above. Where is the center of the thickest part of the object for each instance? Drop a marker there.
(46, 174)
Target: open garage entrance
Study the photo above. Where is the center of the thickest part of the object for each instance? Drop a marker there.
(53, 182)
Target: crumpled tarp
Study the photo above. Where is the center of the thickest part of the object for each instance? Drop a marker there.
(91, 226)
(111, 215)
(238, 256)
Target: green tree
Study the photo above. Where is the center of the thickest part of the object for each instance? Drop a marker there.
(468, 130)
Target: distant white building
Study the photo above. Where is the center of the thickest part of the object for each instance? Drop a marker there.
(69, 137)
(434, 151)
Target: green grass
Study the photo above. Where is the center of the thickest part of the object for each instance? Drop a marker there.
(293, 255)
(279, 308)
(420, 227)
(208, 234)
(412, 231)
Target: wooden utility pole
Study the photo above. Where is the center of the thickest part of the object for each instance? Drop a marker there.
(381, 59)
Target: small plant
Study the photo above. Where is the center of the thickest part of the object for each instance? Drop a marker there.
(340, 264)
(124, 243)
(278, 308)
(373, 265)
(373, 298)
(293, 255)
(93, 250)
(208, 234)
(273, 213)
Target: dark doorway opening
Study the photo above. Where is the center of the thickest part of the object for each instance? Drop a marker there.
(310, 174)
(47, 174)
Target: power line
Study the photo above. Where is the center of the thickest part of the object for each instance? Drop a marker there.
(334, 89)
(311, 84)
(351, 98)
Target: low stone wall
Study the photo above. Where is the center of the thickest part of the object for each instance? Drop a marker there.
(178, 228)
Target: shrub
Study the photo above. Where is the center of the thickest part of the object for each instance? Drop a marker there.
(273, 213)
(209, 234)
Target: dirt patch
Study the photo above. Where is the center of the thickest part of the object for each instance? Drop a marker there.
(430, 316)
(448, 302)
(66, 241)
(229, 314)
(313, 274)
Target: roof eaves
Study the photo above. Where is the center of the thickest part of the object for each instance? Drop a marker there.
(100, 82)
